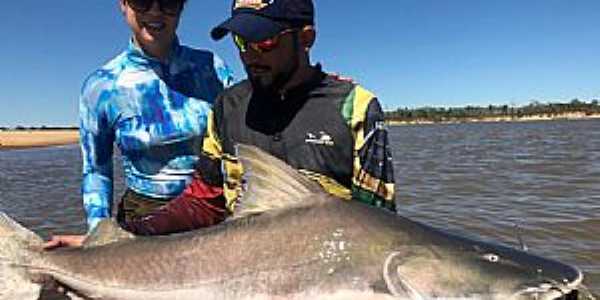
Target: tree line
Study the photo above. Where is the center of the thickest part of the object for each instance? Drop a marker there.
(450, 114)
(535, 108)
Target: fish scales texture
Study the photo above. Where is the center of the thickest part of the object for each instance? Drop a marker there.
(298, 256)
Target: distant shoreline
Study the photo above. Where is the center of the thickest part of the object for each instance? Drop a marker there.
(23, 139)
(33, 138)
(500, 119)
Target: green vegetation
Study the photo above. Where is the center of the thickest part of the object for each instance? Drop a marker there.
(451, 114)
(469, 113)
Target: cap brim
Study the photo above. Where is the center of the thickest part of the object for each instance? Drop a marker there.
(251, 27)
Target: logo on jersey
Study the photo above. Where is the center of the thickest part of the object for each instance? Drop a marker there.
(322, 138)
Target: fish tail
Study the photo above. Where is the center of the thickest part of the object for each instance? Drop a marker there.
(17, 248)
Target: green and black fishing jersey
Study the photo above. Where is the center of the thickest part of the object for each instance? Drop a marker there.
(329, 128)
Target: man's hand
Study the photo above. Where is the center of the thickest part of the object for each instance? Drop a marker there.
(59, 241)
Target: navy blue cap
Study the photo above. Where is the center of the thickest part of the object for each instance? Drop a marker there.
(257, 20)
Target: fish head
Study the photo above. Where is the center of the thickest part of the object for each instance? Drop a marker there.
(464, 269)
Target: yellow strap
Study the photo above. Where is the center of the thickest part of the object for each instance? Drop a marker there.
(212, 144)
(330, 185)
(362, 99)
(232, 187)
(231, 167)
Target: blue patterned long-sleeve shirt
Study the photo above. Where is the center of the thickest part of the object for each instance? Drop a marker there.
(155, 113)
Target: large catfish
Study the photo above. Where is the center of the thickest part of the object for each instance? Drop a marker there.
(290, 241)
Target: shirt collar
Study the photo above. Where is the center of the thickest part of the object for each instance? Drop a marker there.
(307, 85)
(297, 92)
(137, 54)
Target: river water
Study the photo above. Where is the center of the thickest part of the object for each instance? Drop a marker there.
(494, 181)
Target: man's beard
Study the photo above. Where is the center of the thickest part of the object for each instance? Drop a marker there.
(272, 83)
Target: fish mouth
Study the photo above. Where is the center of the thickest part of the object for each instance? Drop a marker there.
(568, 287)
(554, 290)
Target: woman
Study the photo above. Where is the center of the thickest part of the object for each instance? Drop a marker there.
(152, 101)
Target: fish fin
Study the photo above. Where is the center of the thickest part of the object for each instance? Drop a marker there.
(17, 246)
(74, 296)
(106, 232)
(9, 228)
(270, 183)
(396, 283)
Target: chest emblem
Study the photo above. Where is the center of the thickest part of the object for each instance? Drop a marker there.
(321, 138)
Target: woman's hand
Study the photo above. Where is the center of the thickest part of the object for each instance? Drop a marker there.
(59, 241)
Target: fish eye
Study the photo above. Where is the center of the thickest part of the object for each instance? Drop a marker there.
(491, 257)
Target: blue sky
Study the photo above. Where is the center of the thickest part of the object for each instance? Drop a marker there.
(411, 53)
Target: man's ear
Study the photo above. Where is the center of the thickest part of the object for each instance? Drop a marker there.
(307, 37)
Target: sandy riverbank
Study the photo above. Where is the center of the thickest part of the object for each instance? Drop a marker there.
(19, 139)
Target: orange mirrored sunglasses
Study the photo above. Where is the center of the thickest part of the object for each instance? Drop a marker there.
(262, 46)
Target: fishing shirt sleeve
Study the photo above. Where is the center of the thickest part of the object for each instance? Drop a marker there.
(96, 140)
(373, 174)
(199, 205)
(224, 73)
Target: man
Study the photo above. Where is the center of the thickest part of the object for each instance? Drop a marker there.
(328, 128)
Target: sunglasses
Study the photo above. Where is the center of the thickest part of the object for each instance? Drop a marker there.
(168, 7)
(262, 46)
